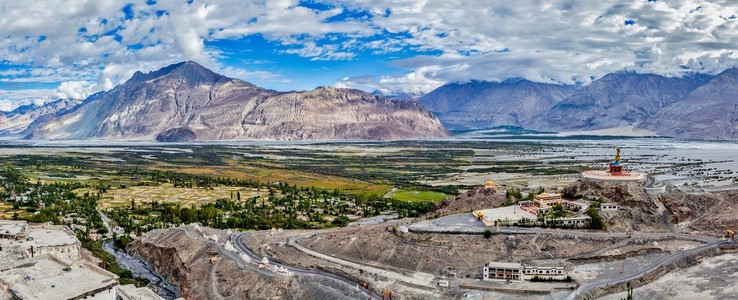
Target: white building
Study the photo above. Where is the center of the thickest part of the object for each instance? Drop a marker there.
(131, 292)
(49, 278)
(13, 230)
(40, 239)
(544, 272)
(581, 221)
(520, 272)
(503, 271)
(609, 207)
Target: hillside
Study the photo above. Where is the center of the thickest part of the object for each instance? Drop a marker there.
(17, 121)
(617, 100)
(186, 101)
(708, 112)
(481, 104)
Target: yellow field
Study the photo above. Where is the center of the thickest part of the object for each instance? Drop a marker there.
(167, 193)
(264, 174)
(6, 211)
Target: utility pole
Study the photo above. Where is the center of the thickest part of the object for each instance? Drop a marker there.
(32, 251)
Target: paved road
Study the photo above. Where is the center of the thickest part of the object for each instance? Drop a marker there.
(427, 282)
(106, 223)
(467, 224)
(630, 277)
(363, 293)
(651, 181)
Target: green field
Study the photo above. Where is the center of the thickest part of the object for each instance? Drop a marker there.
(403, 195)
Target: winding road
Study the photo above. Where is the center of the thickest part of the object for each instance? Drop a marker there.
(427, 282)
(363, 293)
(584, 288)
(467, 224)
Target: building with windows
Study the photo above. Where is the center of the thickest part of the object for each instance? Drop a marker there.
(520, 272)
(131, 292)
(13, 230)
(543, 272)
(503, 271)
(546, 200)
(608, 207)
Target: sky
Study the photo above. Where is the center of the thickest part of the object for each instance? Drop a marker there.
(72, 48)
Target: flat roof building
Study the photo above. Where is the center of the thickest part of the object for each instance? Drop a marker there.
(41, 239)
(14, 230)
(609, 206)
(48, 278)
(520, 272)
(131, 292)
(502, 270)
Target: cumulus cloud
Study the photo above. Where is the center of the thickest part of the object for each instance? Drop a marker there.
(248, 75)
(416, 82)
(11, 99)
(572, 41)
(74, 90)
(96, 45)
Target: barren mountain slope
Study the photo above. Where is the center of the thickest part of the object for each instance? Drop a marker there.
(186, 101)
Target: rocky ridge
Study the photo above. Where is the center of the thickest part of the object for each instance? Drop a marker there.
(481, 104)
(18, 120)
(186, 101)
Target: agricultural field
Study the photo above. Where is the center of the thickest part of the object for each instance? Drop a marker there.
(431, 196)
(167, 193)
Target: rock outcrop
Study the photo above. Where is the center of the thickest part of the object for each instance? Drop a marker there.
(485, 197)
(185, 99)
(200, 269)
(177, 135)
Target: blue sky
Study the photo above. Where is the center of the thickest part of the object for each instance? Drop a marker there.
(70, 49)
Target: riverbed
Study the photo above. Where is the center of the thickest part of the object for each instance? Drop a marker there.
(140, 268)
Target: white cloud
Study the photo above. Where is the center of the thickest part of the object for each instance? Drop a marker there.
(419, 81)
(248, 75)
(11, 99)
(558, 41)
(74, 90)
(553, 41)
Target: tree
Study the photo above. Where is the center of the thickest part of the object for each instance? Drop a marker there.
(487, 234)
(630, 293)
(596, 221)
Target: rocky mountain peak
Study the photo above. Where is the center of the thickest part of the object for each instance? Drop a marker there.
(189, 71)
(483, 104)
(186, 101)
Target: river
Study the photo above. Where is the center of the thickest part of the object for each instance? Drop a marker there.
(139, 268)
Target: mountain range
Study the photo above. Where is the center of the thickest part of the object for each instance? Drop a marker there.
(17, 121)
(480, 104)
(695, 106)
(186, 101)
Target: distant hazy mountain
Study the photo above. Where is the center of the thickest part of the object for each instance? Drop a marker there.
(18, 120)
(708, 112)
(186, 101)
(481, 104)
(617, 100)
